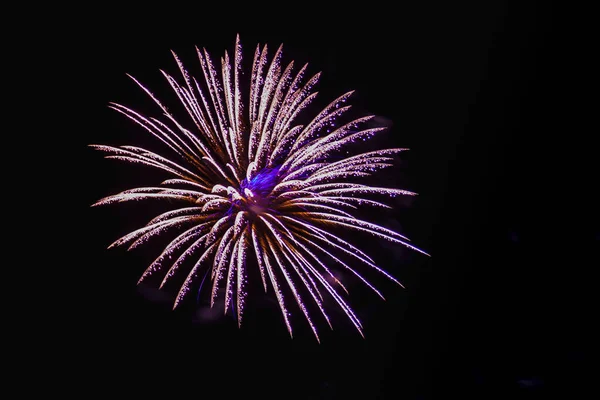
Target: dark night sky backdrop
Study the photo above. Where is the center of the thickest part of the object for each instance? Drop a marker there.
(467, 89)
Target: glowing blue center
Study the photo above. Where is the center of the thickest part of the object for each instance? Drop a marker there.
(261, 184)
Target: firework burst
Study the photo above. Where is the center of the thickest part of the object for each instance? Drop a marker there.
(251, 182)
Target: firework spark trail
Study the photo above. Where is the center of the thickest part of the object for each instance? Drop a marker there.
(253, 184)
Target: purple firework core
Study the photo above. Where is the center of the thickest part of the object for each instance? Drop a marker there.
(256, 191)
(263, 183)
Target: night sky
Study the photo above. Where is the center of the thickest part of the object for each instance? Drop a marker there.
(472, 91)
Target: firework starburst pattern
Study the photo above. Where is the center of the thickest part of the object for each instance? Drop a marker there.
(250, 184)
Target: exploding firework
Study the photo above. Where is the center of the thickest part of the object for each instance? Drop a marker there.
(253, 185)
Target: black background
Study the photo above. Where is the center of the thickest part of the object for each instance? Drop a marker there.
(477, 92)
